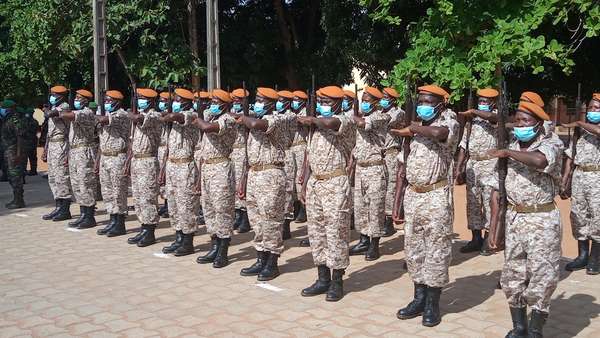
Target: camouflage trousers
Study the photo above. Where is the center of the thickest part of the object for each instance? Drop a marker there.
(15, 169)
(290, 184)
(161, 155)
(265, 198)
(328, 212)
(239, 160)
(391, 164)
(369, 200)
(144, 187)
(480, 176)
(58, 170)
(428, 235)
(113, 183)
(531, 258)
(84, 181)
(183, 204)
(218, 198)
(585, 205)
(298, 154)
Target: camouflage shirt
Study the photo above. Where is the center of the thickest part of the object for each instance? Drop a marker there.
(183, 137)
(268, 147)
(529, 186)
(329, 150)
(370, 140)
(484, 137)
(12, 128)
(147, 134)
(83, 128)
(588, 149)
(291, 127)
(57, 127)
(301, 134)
(114, 137)
(430, 161)
(219, 144)
(396, 116)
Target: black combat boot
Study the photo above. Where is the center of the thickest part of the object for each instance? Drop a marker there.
(119, 228)
(200, 219)
(222, 259)
(270, 270)
(212, 253)
(176, 243)
(88, 221)
(187, 246)
(519, 319)
(76, 222)
(245, 224)
(321, 285)
(305, 242)
(32, 172)
(361, 247)
(373, 250)
(301, 214)
(536, 324)
(416, 306)
(475, 244)
(52, 213)
(64, 212)
(111, 223)
(389, 227)
(256, 268)
(581, 261)
(147, 235)
(17, 202)
(431, 314)
(137, 237)
(238, 219)
(163, 211)
(593, 266)
(336, 289)
(285, 232)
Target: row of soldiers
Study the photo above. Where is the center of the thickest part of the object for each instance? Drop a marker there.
(199, 133)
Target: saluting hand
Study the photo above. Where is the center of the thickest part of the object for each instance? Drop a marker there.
(404, 132)
(499, 153)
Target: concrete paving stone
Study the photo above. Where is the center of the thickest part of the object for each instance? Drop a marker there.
(84, 328)
(120, 325)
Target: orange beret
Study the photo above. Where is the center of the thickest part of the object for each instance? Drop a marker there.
(164, 95)
(85, 93)
(532, 97)
(59, 89)
(184, 93)
(391, 92)
(596, 96)
(202, 94)
(221, 95)
(435, 90)
(533, 109)
(240, 93)
(333, 92)
(268, 93)
(300, 94)
(376, 93)
(286, 94)
(115, 94)
(146, 92)
(488, 92)
(349, 93)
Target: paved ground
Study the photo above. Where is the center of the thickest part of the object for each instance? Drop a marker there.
(55, 282)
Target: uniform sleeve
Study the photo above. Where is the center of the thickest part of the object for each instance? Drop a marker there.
(188, 116)
(151, 120)
(568, 152)
(396, 117)
(453, 132)
(276, 123)
(552, 148)
(84, 117)
(346, 124)
(463, 140)
(226, 123)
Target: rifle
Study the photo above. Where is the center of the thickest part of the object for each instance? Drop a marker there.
(162, 177)
(102, 113)
(355, 101)
(311, 106)
(134, 108)
(573, 139)
(245, 106)
(45, 108)
(461, 177)
(241, 188)
(401, 181)
(198, 185)
(67, 144)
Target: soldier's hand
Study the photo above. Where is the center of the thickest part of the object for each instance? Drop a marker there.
(499, 153)
(102, 119)
(571, 125)
(565, 188)
(468, 113)
(306, 120)
(44, 157)
(404, 132)
(136, 118)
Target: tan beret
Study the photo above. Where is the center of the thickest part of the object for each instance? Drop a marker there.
(115, 94)
(435, 90)
(268, 93)
(240, 93)
(532, 97)
(164, 95)
(146, 92)
(221, 95)
(349, 93)
(596, 96)
(184, 93)
(202, 95)
(300, 94)
(333, 92)
(488, 92)
(533, 109)
(59, 89)
(285, 93)
(85, 93)
(376, 93)
(391, 92)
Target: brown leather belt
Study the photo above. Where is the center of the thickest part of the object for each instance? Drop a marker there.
(180, 160)
(216, 160)
(82, 145)
(298, 143)
(480, 157)
(57, 139)
(261, 167)
(239, 146)
(427, 188)
(392, 151)
(144, 155)
(370, 163)
(529, 209)
(162, 145)
(336, 173)
(589, 167)
(113, 153)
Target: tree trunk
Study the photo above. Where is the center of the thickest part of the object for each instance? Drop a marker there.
(193, 34)
(287, 40)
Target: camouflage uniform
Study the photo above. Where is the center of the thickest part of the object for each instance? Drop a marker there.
(265, 196)
(480, 172)
(13, 129)
(328, 194)
(162, 150)
(371, 176)
(429, 209)
(531, 258)
(393, 144)
(144, 167)
(218, 181)
(181, 175)
(58, 150)
(239, 159)
(114, 138)
(297, 151)
(82, 157)
(290, 165)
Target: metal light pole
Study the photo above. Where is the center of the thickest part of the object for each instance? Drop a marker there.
(213, 66)
(100, 49)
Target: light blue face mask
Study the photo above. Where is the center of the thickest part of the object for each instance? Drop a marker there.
(318, 107)
(77, 104)
(143, 104)
(237, 107)
(53, 100)
(279, 106)
(162, 106)
(426, 113)
(259, 109)
(108, 107)
(525, 134)
(215, 109)
(195, 106)
(325, 111)
(295, 105)
(483, 107)
(593, 116)
(345, 105)
(365, 107)
(2, 112)
(176, 106)
(385, 103)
